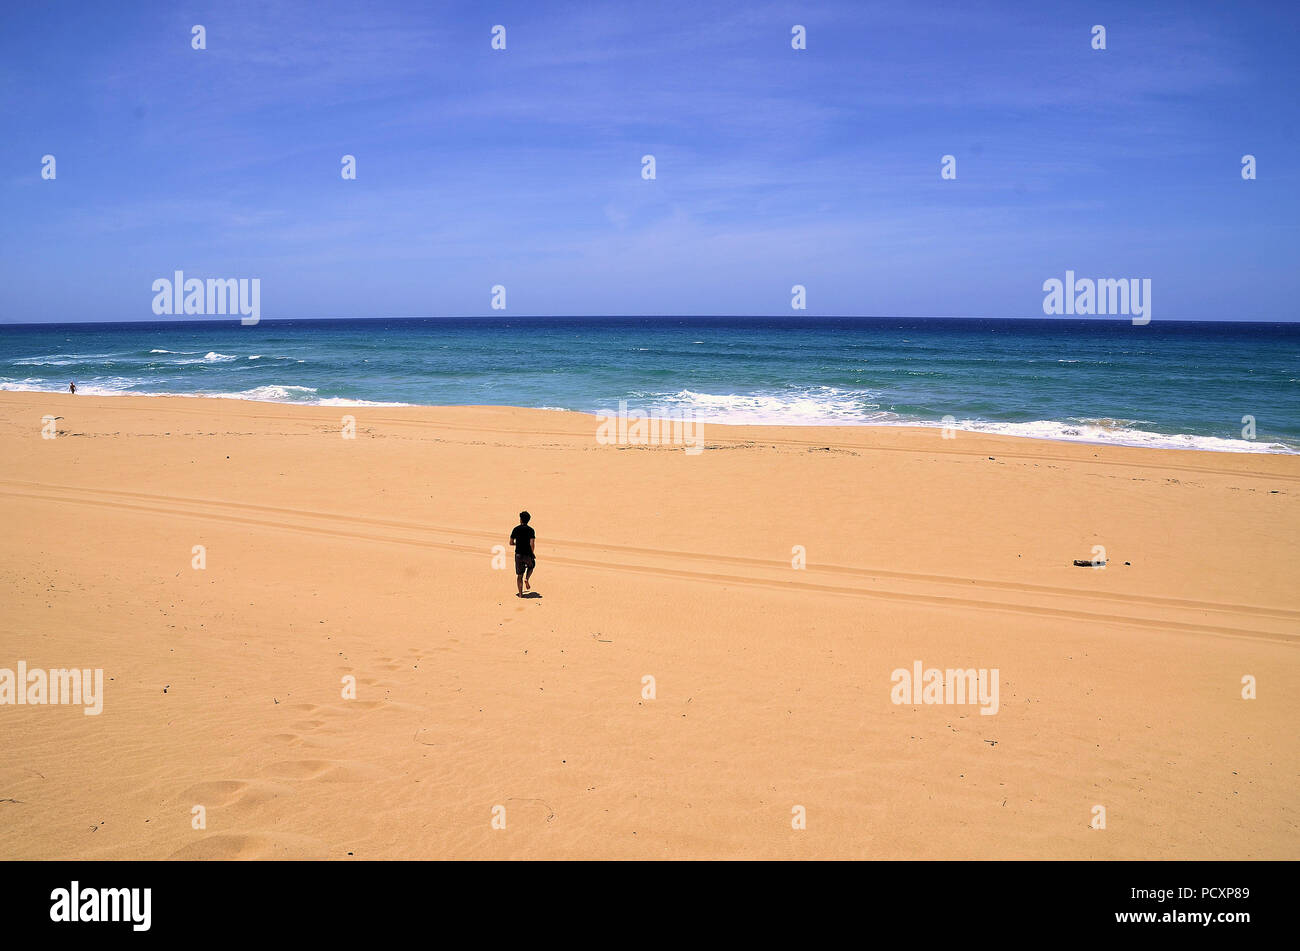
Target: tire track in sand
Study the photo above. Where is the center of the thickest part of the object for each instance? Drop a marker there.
(417, 535)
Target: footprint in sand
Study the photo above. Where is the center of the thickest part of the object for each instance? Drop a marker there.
(324, 770)
(298, 740)
(224, 793)
(429, 736)
(299, 768)
(252, 846)
(218, 792)
(535, 810)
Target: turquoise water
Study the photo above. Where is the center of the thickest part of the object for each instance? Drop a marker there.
(1175, 384)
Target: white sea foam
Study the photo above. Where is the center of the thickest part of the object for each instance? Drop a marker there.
(802, 406)
(339, 401)
(62, 359)
(208, 358)
(103, 386)
(831, 406)
(798, 406)
(71, 359)
(125, 386)
(1113, 432)
(305, 395)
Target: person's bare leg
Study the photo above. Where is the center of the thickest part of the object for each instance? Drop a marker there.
(528, 577)
(519, 583)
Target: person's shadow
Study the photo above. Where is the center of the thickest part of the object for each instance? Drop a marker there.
(530, 594)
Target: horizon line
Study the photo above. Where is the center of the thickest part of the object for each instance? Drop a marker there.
(210, 319)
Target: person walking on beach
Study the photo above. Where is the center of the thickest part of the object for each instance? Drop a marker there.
(72, 388)
(524, 540)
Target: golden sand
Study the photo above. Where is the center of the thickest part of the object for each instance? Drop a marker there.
(373, 558)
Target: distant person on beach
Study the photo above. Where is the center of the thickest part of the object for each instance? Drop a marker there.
(524, 540)
(72, 388)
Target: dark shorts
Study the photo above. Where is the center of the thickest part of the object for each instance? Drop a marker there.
(524, 563)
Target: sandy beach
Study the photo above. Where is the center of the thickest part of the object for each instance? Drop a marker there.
(326, 558)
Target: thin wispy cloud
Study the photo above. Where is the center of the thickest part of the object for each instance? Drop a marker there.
(473, 163)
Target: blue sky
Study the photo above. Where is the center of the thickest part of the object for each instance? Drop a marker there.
(522, 167)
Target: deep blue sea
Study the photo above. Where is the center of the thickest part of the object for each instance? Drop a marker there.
(1172, 384)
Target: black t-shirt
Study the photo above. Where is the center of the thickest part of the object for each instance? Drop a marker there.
(521, 535)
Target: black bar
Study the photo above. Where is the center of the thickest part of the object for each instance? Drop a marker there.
(981, 902)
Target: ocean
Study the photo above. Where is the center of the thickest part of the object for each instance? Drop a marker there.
(1168, 384)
